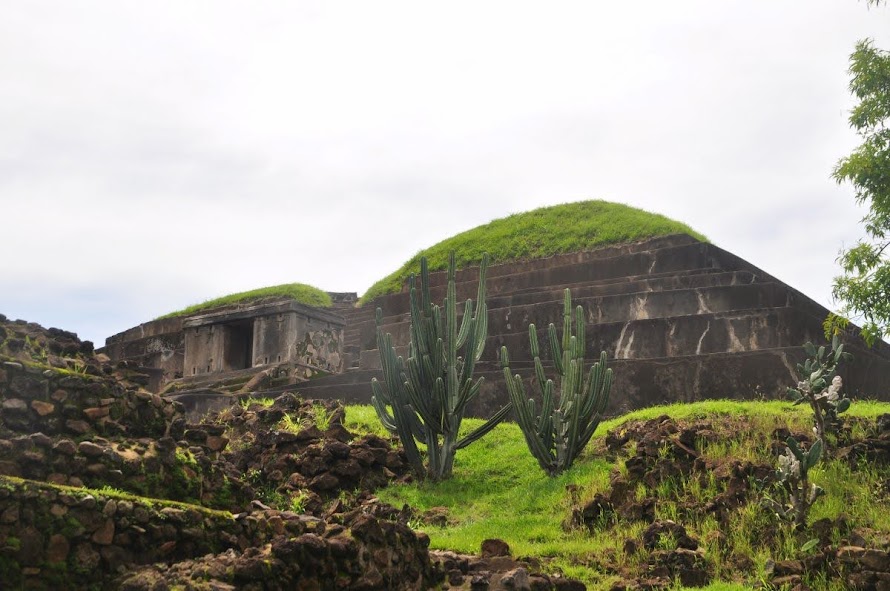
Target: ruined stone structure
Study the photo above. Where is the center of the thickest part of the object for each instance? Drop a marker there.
(680, 319)
(295, 340)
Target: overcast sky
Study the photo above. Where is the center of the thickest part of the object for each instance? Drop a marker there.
(157, 154)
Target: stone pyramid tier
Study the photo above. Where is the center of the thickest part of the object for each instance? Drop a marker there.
(679, 319)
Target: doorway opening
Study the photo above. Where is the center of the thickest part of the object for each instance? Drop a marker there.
(238, 345)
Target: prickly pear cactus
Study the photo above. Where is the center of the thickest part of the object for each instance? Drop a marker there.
(825, 398)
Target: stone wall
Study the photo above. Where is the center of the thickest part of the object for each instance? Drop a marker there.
(38, 399)
(52, 537)
(680, 320)
(308, 340)
(157, 344)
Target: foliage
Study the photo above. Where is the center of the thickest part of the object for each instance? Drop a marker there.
(363, 420)
(558, 434)
(264, 402)
(299, 292)
(542, 232)
(499, 472)
(792, 480)
(826, 401)
(287, 423)
(864, 287)
(425, 398)
(321, 416)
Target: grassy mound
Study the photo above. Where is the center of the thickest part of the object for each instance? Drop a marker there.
(299, 292)
(543, 232)
(497, 472)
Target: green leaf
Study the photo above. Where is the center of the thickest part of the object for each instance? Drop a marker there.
(814, 454)
(792, 444)
(809, 545)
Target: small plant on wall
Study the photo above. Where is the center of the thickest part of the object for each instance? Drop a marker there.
(820, 386)
(423, 399)
(557, 434)
(796, 493)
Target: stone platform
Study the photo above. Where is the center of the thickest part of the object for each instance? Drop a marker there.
(680, 320)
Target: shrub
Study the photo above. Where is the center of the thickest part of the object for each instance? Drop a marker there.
(826, 401)
(792, 482)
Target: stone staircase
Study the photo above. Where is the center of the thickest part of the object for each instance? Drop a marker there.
(679, 319)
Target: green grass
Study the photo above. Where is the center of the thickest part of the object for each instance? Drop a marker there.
(14, 482)
(499, 491)
(543, 232)
(299, 292)
(362, 418)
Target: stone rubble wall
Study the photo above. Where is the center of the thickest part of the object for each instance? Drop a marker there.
(65, 538)
(54, 401)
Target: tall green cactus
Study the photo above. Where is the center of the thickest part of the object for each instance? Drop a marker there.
(558, 434)
(424, 398)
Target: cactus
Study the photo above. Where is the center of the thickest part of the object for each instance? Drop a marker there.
(558, 434)
(423, 399)
(826, 401)
(792, 479)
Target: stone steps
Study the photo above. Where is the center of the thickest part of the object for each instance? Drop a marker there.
(692, 334)
(616, 308)
(697, 278)
(639, 383)
(652, 263)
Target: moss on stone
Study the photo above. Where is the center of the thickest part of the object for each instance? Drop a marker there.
(299, 292)
(570, 227)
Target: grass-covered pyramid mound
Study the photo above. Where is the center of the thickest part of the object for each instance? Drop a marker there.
(543, 232)
(299, 292)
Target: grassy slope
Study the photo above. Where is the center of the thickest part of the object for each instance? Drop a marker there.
(499, 491)
(539, 233)
(299, 292)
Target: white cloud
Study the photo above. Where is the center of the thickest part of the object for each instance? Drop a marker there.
(158, 154)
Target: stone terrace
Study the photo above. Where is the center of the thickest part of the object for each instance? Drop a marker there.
(681, 320)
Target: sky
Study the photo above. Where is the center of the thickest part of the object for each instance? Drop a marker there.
(157, 154)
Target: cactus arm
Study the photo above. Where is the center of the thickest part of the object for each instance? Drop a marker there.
(469, 365)
(481, 319)
(545, 422)
(485, 428)
(555, 349)
(605, 390)
(465, 323)
(580, 333)
(382, 412)
(566, 319)
(469, 391)
(418, 429)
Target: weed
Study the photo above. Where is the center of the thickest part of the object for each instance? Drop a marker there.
(322, 416)
(499, 472)
(287, 423)
(298, 502)
(246, 403)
